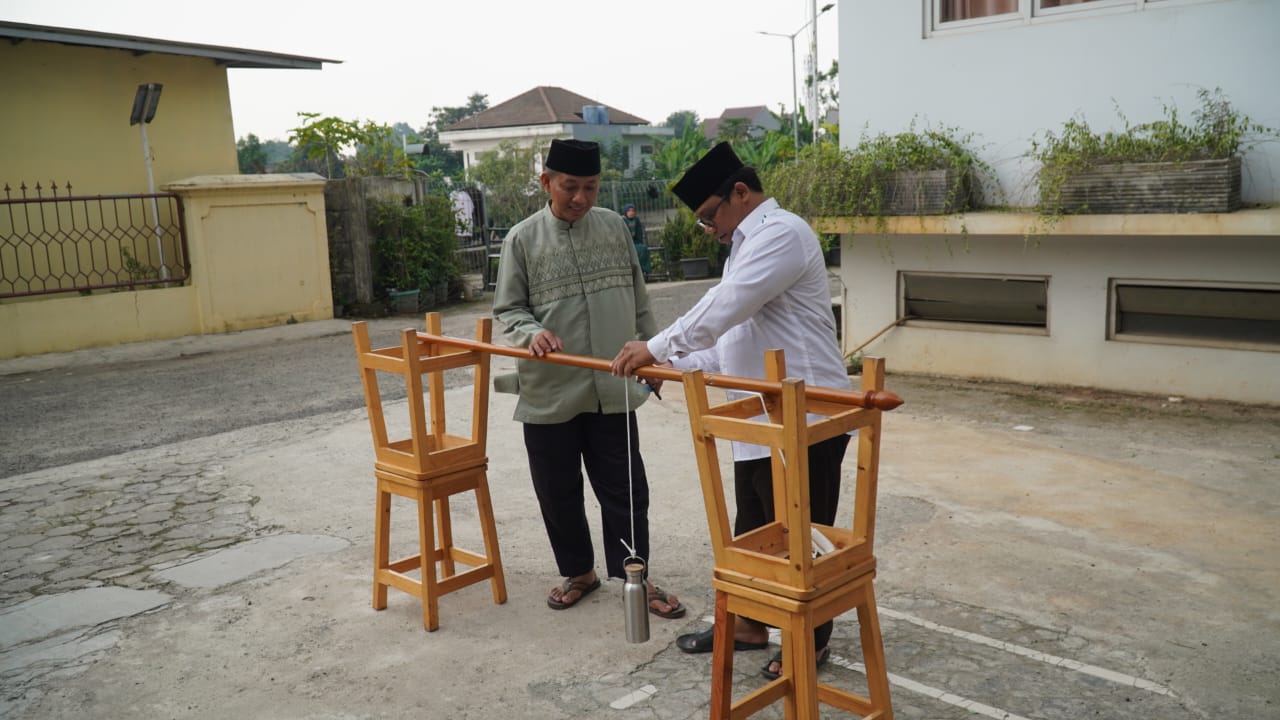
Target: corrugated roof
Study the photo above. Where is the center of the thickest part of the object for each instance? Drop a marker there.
(543, 105)
(228, 56)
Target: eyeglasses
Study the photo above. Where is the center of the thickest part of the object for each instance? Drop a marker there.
(708, 223)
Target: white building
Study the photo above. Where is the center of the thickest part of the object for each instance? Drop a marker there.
(545, 113)
(1167, 304)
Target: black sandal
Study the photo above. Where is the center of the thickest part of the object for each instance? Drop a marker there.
(703, 642)
(821, 659)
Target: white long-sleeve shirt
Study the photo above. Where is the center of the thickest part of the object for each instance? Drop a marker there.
(774, 293)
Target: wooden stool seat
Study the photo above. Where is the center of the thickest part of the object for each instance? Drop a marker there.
(429, 467)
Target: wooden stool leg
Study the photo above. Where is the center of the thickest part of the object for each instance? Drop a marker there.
(426, 541)
(444, 529)
(489, 531)
(381, 545)
(722, 659)
(873, 654)
(798, 664)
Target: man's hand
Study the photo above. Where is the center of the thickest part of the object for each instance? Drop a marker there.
(545, 342)
(633, 355)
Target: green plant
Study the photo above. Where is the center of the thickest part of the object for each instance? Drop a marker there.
(511, 185)
(683, 238)
(1217, 131)
(826, 180)
(324, 138)
(414, 246)
(135, 268)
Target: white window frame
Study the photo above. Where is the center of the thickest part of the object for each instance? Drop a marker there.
(1032, 11)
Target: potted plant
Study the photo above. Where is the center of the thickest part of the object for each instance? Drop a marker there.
(918, 172)
(1163, 166)
(415, 249)
(684, 239)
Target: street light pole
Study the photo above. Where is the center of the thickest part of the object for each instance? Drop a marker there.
(795, 96)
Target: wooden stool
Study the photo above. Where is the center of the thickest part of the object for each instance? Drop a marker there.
(429, 466)
(769, 574)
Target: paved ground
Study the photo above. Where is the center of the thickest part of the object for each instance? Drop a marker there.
(1044, 553)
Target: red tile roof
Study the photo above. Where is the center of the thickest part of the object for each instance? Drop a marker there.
(544, 105)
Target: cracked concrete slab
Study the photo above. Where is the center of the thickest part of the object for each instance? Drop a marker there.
(236, 563)
(47, 615)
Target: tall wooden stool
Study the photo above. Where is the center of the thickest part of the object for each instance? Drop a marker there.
(429, 466)
(769, 574)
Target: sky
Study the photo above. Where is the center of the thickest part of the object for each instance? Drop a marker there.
(399, 59)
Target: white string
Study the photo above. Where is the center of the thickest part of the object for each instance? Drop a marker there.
(631, 495)
(764, 409)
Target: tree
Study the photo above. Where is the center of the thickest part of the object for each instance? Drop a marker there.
(614, 159)
(672, 156)
(766, 151)
(683, 122)
(733, 130)
(378, 151)
(324, 138)
(437, 159)
(251, 155)
(828, 97)
(443, 117)
(511, 186)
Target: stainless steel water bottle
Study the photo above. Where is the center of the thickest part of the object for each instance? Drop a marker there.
(635, 602)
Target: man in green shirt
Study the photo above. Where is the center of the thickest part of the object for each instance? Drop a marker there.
(569, 280)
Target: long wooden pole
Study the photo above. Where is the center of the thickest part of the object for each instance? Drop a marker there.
(878, 399)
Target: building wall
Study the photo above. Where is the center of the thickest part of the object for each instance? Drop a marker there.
(74, 120)
(259, 257)
(1007, 82)
(1074, 349)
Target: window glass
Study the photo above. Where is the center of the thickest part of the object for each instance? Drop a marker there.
(953, 10)
(993, 300)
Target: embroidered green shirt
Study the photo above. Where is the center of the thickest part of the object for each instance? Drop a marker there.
(583, 282)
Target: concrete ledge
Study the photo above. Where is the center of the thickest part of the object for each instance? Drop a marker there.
(1254, 221)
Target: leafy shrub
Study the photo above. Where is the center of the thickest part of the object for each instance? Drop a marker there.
(826, 180)
(414, 246)
(682, 237)
(1217, 131)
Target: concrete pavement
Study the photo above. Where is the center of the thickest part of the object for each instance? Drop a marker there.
(1032, 566)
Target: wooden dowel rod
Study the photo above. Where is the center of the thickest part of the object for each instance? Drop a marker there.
(879, 399)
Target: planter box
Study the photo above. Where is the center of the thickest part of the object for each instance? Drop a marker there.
(1194, 186)
(405, 301)
(695, 268)
(927, 192)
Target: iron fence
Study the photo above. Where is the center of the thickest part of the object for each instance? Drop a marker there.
(66, 243)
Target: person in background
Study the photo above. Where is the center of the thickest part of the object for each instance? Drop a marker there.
(774, 293)
(568, 280)
(636, 228)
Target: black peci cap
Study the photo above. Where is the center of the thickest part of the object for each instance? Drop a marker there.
(574, 157)
(709, 173)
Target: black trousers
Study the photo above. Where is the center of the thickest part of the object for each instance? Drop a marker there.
(753, 490)
(557, 454)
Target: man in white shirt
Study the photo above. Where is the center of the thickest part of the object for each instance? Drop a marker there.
(774, 293)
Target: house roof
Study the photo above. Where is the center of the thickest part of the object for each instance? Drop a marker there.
(543, 105)
(711, 126)
(228, 56)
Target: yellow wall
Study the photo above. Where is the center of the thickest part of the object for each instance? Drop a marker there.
(259, 249)
(66, 118)
(259, 257)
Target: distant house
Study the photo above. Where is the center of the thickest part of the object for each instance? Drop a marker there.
(548, 113)
(757, 118)
(1174, 304)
